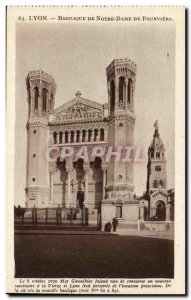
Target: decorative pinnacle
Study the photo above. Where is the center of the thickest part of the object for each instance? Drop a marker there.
(156, 125)
(78, 94)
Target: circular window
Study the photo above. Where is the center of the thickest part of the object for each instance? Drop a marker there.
(33, 179)
(34, 155)
(120, 124)
(120, 177)
(34, 131)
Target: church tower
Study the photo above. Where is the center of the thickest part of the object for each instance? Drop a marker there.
(156, 167)
(121, 75)
(41, 90)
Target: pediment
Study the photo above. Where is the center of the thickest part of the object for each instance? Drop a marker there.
(79, 108)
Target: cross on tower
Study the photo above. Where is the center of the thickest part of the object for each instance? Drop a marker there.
(156, 125)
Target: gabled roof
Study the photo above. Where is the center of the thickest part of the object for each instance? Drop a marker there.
(158, 192)
(79, 100)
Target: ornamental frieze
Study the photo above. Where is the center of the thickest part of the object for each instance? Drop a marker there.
(78, 124)
(121, 116)
(36, 124)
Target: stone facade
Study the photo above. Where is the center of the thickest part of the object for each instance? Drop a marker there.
(101, 187)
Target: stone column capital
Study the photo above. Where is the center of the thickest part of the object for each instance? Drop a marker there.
(53, 167)
(86, 167)
(104, 166)
(69, 166)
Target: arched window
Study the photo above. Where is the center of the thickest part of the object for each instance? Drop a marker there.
(83, 135)
(77, 136)
(89, 135)
(60, 137)
(51, 102)
(55, 137)
(102, 134)
(112, 96)
(72, 137)
(161, 183)
(66, 137)
(35, 99)
(121, 90)
(157, 154)
(95, 134)
(130, 90)
(155, 184)
(44, 100)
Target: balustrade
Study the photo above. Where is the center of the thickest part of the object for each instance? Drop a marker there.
(79, 136)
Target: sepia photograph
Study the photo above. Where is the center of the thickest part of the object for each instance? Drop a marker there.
(94, 148)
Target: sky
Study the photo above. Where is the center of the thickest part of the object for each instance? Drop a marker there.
(77, 55)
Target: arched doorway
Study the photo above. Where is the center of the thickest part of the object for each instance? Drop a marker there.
(160, 210)
(79, 182)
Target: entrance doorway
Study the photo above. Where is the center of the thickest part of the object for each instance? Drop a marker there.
(80, 199)
(160, 210)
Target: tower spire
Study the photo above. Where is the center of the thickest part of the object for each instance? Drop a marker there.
(156, 126)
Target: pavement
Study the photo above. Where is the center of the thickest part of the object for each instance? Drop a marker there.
(55, 230)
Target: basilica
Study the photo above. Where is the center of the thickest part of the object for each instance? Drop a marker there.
(105, 189)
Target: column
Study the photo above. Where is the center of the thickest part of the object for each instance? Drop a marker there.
(151, 212)
(75, 135)
(91, 135)
(51, 186)
(117, 93)
(98, 134)
(126, 93)
(52, 138)
(105, 134)
(104, 168)
(68, 189)
(80, 136)
(142, 211)
(69, 169)
(167, 213)
(69, 137)
(86, 135)
(86, 169)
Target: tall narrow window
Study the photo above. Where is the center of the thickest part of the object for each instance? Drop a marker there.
(51, 102)
(118, 211)
(60, 137)
(121, 90)
(35, 99)
(155, 184)
(102, 135)
(72, 136)
(66, 137)
(130, 90)
(55, 137)
(44, 100)
(112, 96)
